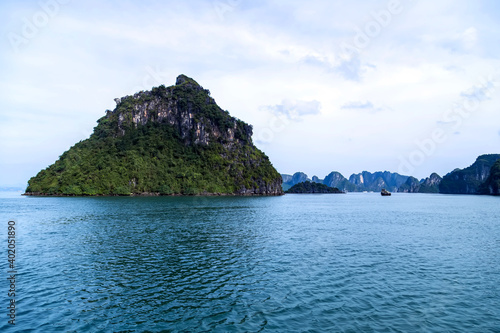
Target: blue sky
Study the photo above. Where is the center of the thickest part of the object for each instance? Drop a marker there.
(409, 86)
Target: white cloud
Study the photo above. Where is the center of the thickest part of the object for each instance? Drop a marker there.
(255, 54)
(469, 38)
(350, 69)
(481, 92)
(358, 105)
(295, 109)
(366, 106)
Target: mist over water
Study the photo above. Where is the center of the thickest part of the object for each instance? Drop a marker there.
(311, 263)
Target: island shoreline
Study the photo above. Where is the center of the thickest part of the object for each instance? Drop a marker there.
(151, 194)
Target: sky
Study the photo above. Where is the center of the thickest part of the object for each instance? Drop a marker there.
(408, 86)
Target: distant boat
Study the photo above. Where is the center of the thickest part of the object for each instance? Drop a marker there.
(385, 193)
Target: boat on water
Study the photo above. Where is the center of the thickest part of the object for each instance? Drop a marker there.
(385, 193)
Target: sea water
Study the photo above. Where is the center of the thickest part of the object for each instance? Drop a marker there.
(296, 263)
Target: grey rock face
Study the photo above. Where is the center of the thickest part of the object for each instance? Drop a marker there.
(430, 184)
(286, 178)
(315, 179)
(263, 188)
(166, 108)
(412, 185)
(299, 177)
(367, 181)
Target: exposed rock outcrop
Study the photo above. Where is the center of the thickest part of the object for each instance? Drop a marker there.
(315, 179)
(291, 180)
(286, 178)
(430, 184)
(492, 184)
(367, 181)
(337, 180)
(412, 185)
(186, 106)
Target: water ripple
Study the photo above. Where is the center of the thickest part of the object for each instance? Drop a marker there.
(296, 263)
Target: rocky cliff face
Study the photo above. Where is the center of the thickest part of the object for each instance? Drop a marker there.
(286, 178)
(315, 179)
(170, 140)
(469, 180)
(412, 185)
(291, 180)
(333, 179)
(262, 187)
(299, 177)
(427, 185)
(186, 106)
(492, 184)
(367, 181)
(364, 181)
(337, 180)
(430, 184)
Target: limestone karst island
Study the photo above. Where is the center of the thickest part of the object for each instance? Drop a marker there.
(168, 141)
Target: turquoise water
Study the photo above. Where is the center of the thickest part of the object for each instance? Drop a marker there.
(297, 263)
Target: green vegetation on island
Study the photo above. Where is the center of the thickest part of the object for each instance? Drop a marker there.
(311, 187)
(492, 184)
(167, 141)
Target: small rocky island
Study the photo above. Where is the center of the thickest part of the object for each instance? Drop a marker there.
(312, 188)
(168, 141)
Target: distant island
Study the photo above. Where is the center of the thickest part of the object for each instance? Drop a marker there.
(482, 177)
(312, 188)
(364, 181)
(471, 180)
(168, 141)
